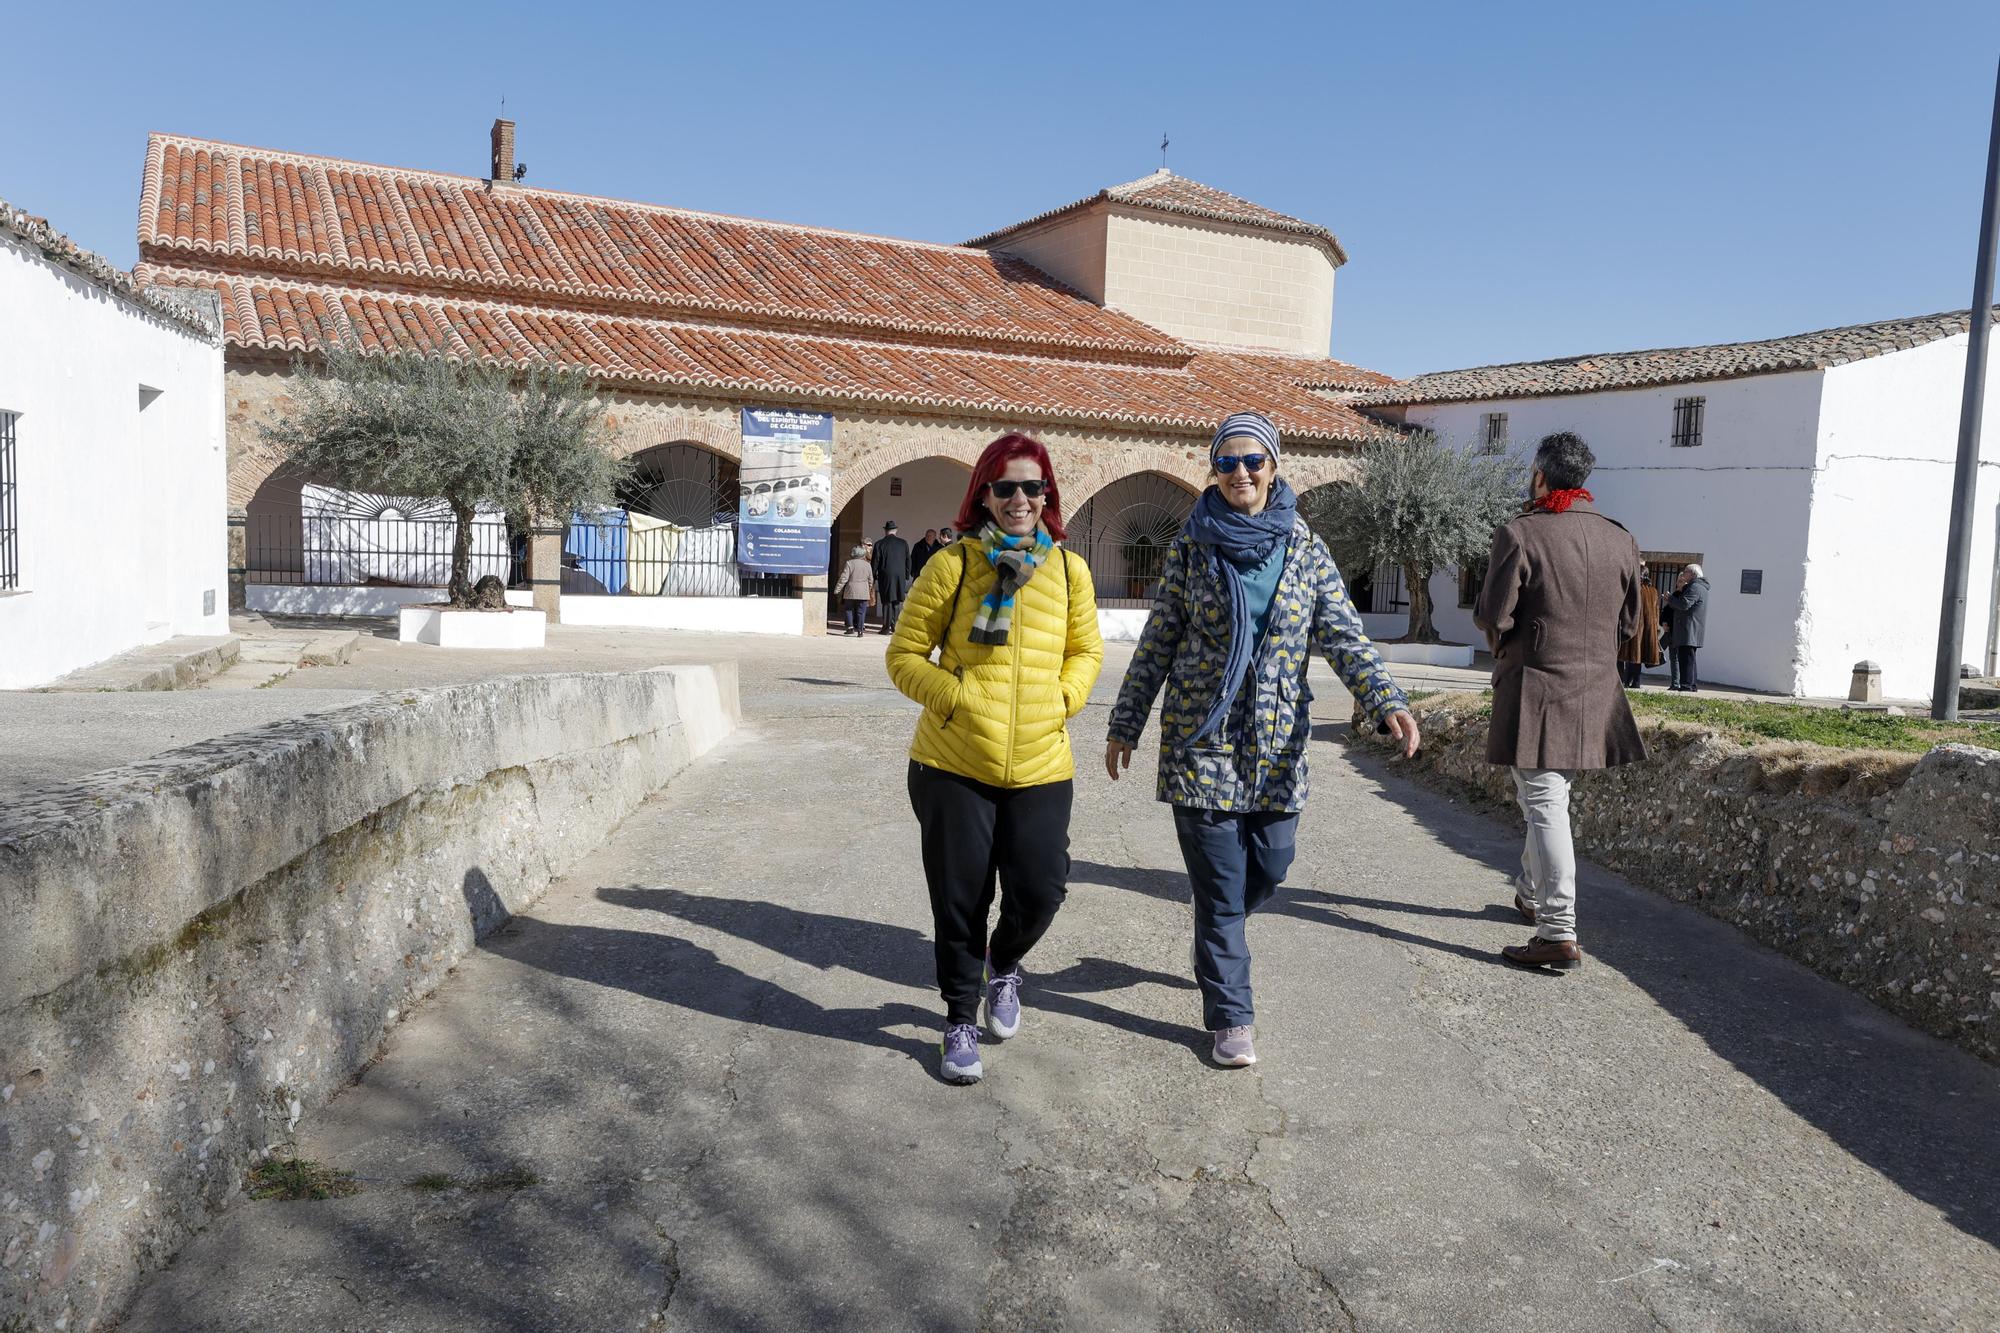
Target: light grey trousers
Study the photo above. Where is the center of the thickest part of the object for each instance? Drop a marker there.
(1548, 862)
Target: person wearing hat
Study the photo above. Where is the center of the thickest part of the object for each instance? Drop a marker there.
(1248, 594)
(892, 574)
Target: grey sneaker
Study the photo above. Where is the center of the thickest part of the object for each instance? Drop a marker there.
(960, 1049)
(1235, 1048)
(1003, 1002)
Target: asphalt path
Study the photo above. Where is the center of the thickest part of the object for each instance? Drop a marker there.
(713, 1051)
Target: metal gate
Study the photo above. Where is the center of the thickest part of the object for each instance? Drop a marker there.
(1123, 533)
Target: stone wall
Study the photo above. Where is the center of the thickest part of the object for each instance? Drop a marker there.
(197, 950)
(1879, 871)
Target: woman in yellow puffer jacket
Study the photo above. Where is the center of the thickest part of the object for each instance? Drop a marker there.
(1012, 619)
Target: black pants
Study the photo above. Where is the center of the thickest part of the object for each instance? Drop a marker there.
(891, 613)
(856, 615)
(977, 838)
(1683, 669)
(1630, 674)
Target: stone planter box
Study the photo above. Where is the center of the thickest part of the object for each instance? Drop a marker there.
(1427, 654)
(449, 627)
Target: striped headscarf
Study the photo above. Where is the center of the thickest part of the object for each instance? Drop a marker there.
(1253, 424)
(1015, 560)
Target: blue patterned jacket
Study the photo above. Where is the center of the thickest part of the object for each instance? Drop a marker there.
(1256, 761)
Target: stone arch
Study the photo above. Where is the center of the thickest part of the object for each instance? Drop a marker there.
(1186, 467)
(1123, 531)
(859, 463)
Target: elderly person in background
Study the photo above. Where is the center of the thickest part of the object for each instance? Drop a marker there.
(893, 573)
(1642, 650)
(1561, 594)
(855, 590)
(1689, 603)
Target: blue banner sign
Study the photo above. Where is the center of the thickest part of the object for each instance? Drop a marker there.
(786, 513)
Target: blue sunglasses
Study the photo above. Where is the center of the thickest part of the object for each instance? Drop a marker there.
(1226, 463)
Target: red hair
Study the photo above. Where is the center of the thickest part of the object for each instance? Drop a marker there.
(974, 513)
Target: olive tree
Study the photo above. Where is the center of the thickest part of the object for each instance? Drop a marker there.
(465, 433)
(1420, 505)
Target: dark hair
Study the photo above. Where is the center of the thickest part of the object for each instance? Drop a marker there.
(1564, 460)
(989, 467)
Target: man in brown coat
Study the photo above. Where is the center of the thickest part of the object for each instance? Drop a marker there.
(1560, 598)
(1642, 650)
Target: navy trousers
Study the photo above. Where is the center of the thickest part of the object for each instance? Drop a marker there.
(1236, 862)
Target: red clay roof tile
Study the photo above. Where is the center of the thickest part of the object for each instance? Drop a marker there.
(281, 316)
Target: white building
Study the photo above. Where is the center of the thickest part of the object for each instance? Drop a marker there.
(1810, 476)
(112, 471)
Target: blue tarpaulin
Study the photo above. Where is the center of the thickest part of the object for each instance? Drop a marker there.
(596, 545)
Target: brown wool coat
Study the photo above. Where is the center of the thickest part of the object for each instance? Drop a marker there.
(1560, 598)
(1644, 645)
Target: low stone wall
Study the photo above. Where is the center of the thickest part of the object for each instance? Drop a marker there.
(197, 950)
(1880, 871)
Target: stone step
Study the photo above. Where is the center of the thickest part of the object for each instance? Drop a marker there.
(172, 664)
(269, 654)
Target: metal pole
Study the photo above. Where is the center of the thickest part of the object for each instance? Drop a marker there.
(1964, 486)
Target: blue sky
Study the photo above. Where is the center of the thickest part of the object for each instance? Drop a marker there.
(1510, 181)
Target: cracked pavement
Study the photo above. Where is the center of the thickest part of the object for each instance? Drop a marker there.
(714, 1044)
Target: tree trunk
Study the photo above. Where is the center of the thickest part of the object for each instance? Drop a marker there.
(460, 586)
(1417, 582)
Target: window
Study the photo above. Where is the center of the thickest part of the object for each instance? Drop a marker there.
(1663, 568)
(1470, 578)
(1493, 433)
(1688, 413)
(10, 521)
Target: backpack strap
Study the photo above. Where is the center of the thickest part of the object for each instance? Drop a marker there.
(951, 616)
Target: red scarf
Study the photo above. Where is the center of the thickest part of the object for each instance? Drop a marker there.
(1556, 502)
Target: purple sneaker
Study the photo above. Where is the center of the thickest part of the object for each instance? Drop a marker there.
(960, 1049)
(1235, 1048)
(1003, 1002)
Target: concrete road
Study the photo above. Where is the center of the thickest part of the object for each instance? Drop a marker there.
(713, 1050)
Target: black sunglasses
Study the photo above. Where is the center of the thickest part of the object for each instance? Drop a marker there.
(1004, 490)
(1226, 463)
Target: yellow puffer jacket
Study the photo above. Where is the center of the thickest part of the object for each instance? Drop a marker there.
(998, 713)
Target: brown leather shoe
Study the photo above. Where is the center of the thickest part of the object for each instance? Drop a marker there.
(1521, 906)
(1559, 955)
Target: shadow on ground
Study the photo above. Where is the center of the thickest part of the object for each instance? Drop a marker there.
(1915, 1108)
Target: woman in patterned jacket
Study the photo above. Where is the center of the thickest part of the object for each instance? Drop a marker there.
(1247, 596)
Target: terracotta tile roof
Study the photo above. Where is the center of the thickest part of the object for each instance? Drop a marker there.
(1673, 365)
(281, 316)
(218, 205)
(60, 250)
(1167, 193)
(1317, 372)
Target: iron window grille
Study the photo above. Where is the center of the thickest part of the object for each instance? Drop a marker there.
(1471, 576)
(1493, 433)
(10, 520)
(1688, 414)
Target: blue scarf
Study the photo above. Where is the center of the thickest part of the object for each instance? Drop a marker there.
(1014, 560)
(1236, 541)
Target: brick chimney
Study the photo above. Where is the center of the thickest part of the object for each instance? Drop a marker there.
(503, 151)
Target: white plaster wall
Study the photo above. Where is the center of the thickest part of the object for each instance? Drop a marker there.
(1069, 249)
(121, 512)
(1881, 506)
(354, 600)
(1216, 283)
(1742, 499)
(933, 489)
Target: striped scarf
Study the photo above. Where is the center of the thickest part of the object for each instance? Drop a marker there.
(1014, 560)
